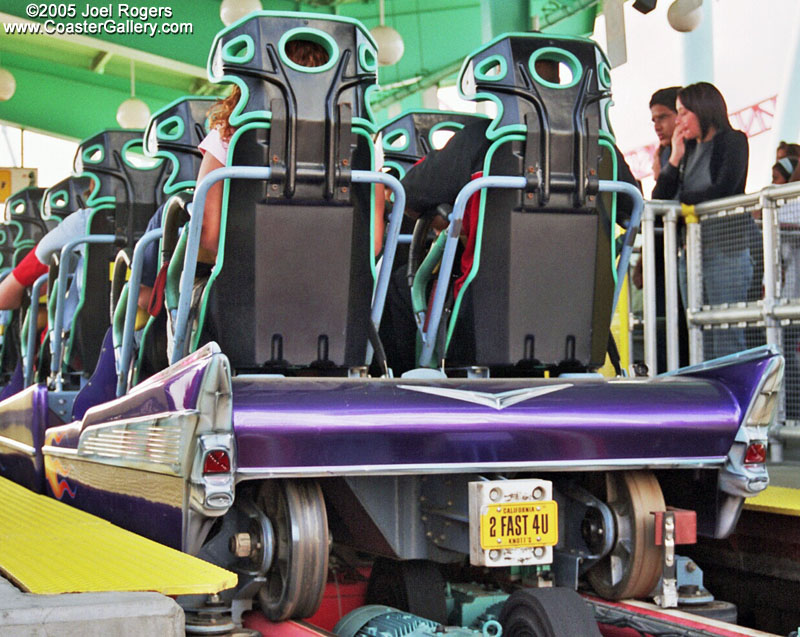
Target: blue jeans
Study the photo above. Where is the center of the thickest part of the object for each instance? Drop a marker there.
(726, 279)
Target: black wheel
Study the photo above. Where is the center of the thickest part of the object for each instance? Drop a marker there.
(633, 566)
(415, 586)
(547, 612)
(299, 570)
(718, 609)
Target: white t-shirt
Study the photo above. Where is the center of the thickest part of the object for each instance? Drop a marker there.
(214, 144)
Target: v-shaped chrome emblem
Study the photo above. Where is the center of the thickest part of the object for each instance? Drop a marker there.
(495, 401)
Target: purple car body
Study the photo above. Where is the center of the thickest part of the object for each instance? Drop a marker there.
(138, 460)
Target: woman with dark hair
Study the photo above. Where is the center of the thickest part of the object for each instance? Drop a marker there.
(708, 161)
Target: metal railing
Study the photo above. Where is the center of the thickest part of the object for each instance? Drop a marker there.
(741, 257)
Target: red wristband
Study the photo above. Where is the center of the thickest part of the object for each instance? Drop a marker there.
(29, 269)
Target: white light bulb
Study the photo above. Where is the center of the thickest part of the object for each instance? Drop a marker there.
(685, 15)
(232, 10)
(133, 113)
(390, 45)
(7, 85)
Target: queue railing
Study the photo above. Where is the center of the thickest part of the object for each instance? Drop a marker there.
(741, 287)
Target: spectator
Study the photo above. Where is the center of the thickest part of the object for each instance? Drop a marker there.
(783, 169)
(789, 223)
(708, 160)
(787, 150)
(663, 114)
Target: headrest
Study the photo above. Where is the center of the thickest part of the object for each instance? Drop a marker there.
(174, 133)
(115, 161)
(65, 197)
(413, 134)
(252, 54)
(505, 71)
(24, 205)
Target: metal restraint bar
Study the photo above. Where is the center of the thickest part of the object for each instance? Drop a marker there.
(453, 231)
(32, 331)
(252, 172)
(58, 321)
(137, 264)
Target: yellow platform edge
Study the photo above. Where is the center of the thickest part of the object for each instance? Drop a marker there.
(780, 500)
(48, 547)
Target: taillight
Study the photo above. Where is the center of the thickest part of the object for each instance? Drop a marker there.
(216, 461)
(756, 453)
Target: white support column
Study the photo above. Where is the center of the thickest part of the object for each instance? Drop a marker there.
(769, 233)
(671, 287)
(649, 290)
(694, 280)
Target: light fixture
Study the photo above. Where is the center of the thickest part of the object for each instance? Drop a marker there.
(7, 84)
(232, 10)
(133, 113)
(390, 43)
(685, 15)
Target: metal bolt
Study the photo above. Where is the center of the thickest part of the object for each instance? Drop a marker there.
(345, 162)
(449, 503)
(494, 555)
(274, 186)
(538, 552)
(275, 158)
(531, 169)
(429, 534)
(344, 188)
(691, 567)
(495, 494)
(538, 493)
(241, 544)
(530, 195)
(499, 541)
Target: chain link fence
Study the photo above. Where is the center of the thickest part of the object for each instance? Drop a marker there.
(734, 264)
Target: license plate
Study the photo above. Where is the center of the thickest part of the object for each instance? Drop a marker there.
(519, 525)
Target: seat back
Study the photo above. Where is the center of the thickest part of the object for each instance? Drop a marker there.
(64, 198)
(541, 282)
(23, 221)
(414, 133)
(123, 198)
(294, 275)
(173, 134)
(21, 230)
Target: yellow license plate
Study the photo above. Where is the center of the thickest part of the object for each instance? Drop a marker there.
(519, 525)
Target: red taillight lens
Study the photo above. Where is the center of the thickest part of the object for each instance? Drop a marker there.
(756, 453)
(216, 461)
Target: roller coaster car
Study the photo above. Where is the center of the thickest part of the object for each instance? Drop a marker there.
(29, 214)
(255, 449)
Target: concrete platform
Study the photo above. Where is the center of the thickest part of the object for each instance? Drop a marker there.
(88, 614)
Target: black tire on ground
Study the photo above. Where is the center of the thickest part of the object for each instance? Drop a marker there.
(415, 586)
(547, 612)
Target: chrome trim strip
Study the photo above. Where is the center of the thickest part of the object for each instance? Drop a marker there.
(62, 452)
(156, 442)
(16, 445)
(496, 401)
(467, 467)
